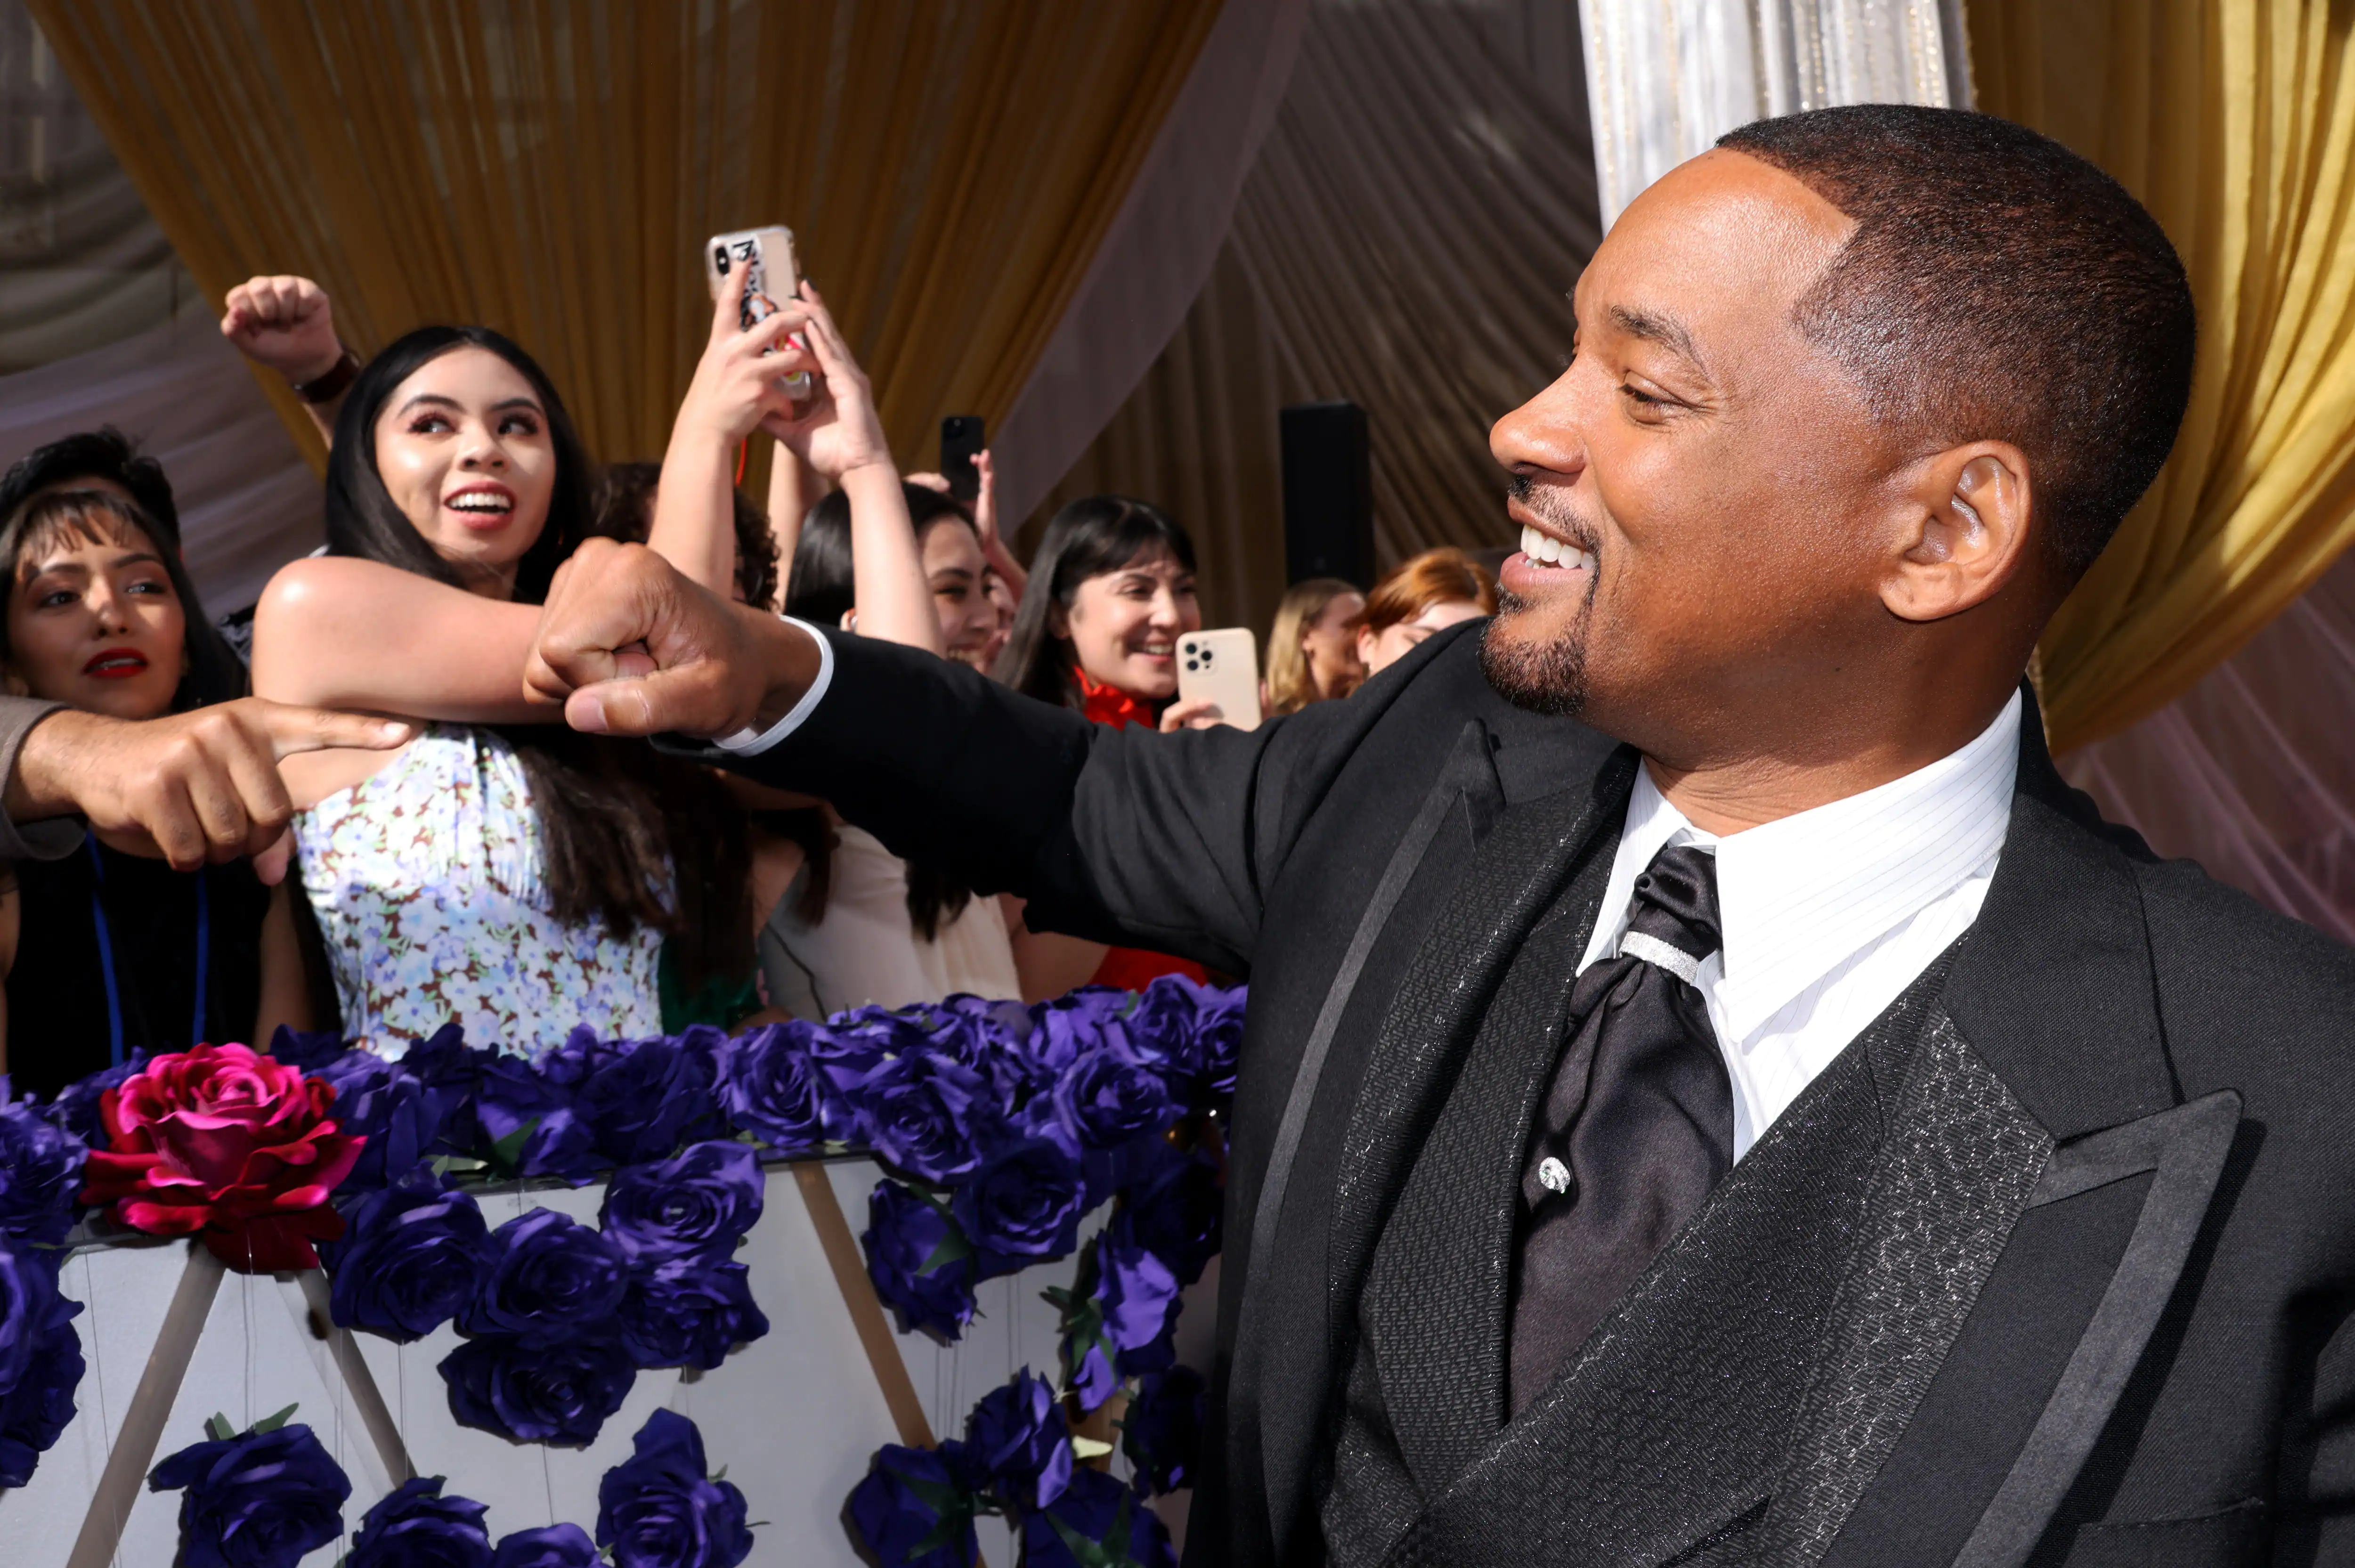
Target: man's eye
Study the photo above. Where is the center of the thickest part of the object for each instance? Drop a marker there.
(1644, 398)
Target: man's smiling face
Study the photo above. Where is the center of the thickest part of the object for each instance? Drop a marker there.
(1713, 485)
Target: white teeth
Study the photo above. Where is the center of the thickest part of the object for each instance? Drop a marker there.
(481, 502)
(1547, 550)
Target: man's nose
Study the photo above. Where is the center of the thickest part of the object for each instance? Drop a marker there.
(1544, 435)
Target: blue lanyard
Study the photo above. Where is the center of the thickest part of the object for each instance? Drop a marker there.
(106, 952)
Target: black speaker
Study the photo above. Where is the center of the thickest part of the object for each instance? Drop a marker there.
(1328, 494)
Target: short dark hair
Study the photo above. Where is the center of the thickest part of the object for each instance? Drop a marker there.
(101, 454)
(1998, 287)
(1093, 536)
(621, 503)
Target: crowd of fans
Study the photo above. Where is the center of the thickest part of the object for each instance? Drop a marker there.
(339, 811)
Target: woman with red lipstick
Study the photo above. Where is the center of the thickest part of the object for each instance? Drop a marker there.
(1111, 591)
(106, 953)
(500, 871)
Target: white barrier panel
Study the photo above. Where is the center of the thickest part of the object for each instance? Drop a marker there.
(794, 1417)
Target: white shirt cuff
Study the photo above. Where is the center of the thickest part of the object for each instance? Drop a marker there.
(750, 742)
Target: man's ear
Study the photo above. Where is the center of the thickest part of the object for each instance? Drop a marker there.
(1966, 532)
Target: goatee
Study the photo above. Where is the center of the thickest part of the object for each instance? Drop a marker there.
(1547, 678)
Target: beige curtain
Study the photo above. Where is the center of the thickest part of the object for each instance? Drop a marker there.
(948, 167)
(1407, 241)
(2234, 123)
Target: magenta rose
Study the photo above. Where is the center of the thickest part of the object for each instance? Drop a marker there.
(228, 1144)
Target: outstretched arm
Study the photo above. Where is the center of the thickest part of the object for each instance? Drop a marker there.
(1117, 835)
(333, 631)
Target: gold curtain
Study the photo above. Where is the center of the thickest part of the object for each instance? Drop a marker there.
(2234, 122)
(948, 167)
(1408, 241)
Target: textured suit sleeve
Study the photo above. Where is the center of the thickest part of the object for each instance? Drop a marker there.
(1159, 841)
(52, 839)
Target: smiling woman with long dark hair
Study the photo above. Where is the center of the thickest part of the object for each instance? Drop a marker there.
(107, 954)
(500, 871)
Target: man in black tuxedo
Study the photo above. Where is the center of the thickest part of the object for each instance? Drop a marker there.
(1793, 1128)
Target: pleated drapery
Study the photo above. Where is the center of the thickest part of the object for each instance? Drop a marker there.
(551, 170)
(1408, 239)
(2235, 126)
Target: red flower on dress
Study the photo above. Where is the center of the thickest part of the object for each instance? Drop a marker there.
(229, 1144)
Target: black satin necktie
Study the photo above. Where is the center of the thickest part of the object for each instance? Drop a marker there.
(1635, 1129)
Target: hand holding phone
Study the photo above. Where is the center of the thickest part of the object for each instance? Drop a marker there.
(770, 270)
(1222, 666)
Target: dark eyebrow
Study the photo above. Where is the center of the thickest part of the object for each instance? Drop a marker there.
(1664, 330)
(136, 556)
(438, 402)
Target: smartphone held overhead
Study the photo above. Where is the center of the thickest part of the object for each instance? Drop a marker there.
(1222, 667)
(773, 271)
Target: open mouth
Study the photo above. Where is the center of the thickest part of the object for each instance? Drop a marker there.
(1549, 554)
(482, 505)
(116, 664)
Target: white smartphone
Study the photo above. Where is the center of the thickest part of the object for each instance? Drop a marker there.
(768, 255)
(1223, 665)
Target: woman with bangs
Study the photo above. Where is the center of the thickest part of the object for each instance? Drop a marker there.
(108, 954)
(500, 871)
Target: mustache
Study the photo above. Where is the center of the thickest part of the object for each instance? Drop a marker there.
(1546, 501)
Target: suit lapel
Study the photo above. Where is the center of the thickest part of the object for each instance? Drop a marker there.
(1514, 876)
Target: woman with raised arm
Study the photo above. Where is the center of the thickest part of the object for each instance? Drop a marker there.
(497, 871)
(900, 562)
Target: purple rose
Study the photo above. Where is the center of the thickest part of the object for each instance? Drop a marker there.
(1017, 1440)
(1087, 1373)
(1175, 1211)
(558, 1392)
(698, 1204)
(915, 1509)
(453, 1072)
(642, 1098)
(525, 1126)
(688, 1312)
(1096, 1520)
(417, 1527)
(76, 1107)
(1075, 1025)
(1140, 1302)
(387, 1105)
(920, 1261)
(411, 1257)
(1022, 1207)
(40, 1359)
(771, 1086)
(548, 1278)
(1163, 1430)
(306, 1050)
(1193, 1033)
(262, 1500)
(1109, 1096)
(925, 1115)
(990, 1037)
(40, 1171)
(550, 1546)
(659, 1509)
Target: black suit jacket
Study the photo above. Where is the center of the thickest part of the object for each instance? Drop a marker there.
(2061, 1269)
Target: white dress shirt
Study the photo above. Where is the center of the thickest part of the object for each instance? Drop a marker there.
(1829, 914)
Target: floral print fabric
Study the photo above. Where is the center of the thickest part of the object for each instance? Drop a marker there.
(426, 882)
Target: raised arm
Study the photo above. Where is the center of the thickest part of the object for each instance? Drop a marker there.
(336, 632)
(286, 324)
(794, 489)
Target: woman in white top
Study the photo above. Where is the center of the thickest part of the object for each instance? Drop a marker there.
(498, 871)
(901, 562)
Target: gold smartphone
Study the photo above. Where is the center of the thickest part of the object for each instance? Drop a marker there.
(768, 255)
(1223, 665)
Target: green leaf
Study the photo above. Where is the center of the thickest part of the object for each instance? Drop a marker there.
(271, 1423)
(509, 1150)
(1086, 1553)
(218, 1429)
